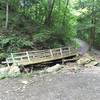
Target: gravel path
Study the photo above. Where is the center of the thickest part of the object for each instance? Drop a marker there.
(58, 86)
(84, 47)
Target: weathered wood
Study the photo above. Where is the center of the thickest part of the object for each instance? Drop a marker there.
(61, 52)
(51, 53)
(69, 50)
(13, 59)
(39, 56)
(7, 63)
(27, 56)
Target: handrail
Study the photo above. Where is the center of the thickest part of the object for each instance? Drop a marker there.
(31, 56)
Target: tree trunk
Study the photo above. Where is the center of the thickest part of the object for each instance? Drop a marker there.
(36, 12)
(92, 35)
(81, 4)
(50, 9)
(7, 14)
(92, 30)
(67, 3)
(59, 5)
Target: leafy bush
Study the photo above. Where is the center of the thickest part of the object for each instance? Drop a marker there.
(13, 43)
(97, 41)
(48, 39)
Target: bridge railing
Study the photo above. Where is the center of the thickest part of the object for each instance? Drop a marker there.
(30, 56)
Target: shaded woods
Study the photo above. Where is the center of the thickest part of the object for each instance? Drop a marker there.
(42, 24)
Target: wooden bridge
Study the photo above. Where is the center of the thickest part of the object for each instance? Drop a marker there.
(40, 56)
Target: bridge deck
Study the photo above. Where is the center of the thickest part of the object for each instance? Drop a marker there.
(34, 57)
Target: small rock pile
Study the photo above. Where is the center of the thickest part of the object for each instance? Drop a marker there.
(87, 61)
(54, 68)
(9, 70)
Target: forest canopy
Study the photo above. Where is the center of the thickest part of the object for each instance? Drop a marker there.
(41, 24)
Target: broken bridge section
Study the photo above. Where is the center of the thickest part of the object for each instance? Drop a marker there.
(40, 56)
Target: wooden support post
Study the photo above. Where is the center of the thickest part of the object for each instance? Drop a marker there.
(62, 61)
(51, 53)
(69, 50)
(28, 56)
(7, 63)
(13, 59)
(61, 52)
(21, 59)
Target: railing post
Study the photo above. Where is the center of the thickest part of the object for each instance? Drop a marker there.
(12, 56)
(7, 63)
(28, 56)
(51, 53)
(69, 50)
(21, 59)
(61, 52)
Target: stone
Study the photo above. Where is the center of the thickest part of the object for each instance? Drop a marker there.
(10, 70)
(91, 64)
(14, 69)
(24, 82)
(85, 59)
(4, 70)
(54, 68)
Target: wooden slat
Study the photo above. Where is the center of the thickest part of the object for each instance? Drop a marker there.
(61, 52)
(31, 57)
(13, 59)
(7, 63)
(28, 56)
(51, 53)
(69, 50)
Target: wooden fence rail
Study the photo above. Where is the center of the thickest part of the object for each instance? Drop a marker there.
(39, 56)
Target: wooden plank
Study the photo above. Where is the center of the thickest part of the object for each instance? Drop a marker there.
(13, 59)
(7, 63)
(27, 56)
(38, 56)
(21, 58)
(51, 53)
(69, 50)
(61, 52)
(42, 60)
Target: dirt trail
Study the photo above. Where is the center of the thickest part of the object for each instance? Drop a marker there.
(59, 86)
(84, 47)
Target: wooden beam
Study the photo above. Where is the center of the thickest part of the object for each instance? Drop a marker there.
(69, 49)
(12, 56)
(28, 56)
(61, 52)
(40, 56)
(7, 63)
(51, 52)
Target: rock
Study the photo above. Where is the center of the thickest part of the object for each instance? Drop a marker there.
(85, 59)
(54, 68)
(14, 69)
(9, 70)
(24, 82)
(25, 69)
(4, 70)
(91, 64)
(93, 69)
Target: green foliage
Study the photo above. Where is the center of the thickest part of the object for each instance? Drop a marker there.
(47, 39)
(97, 41)
(13, 43)
(27, 28)
(89, 9)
